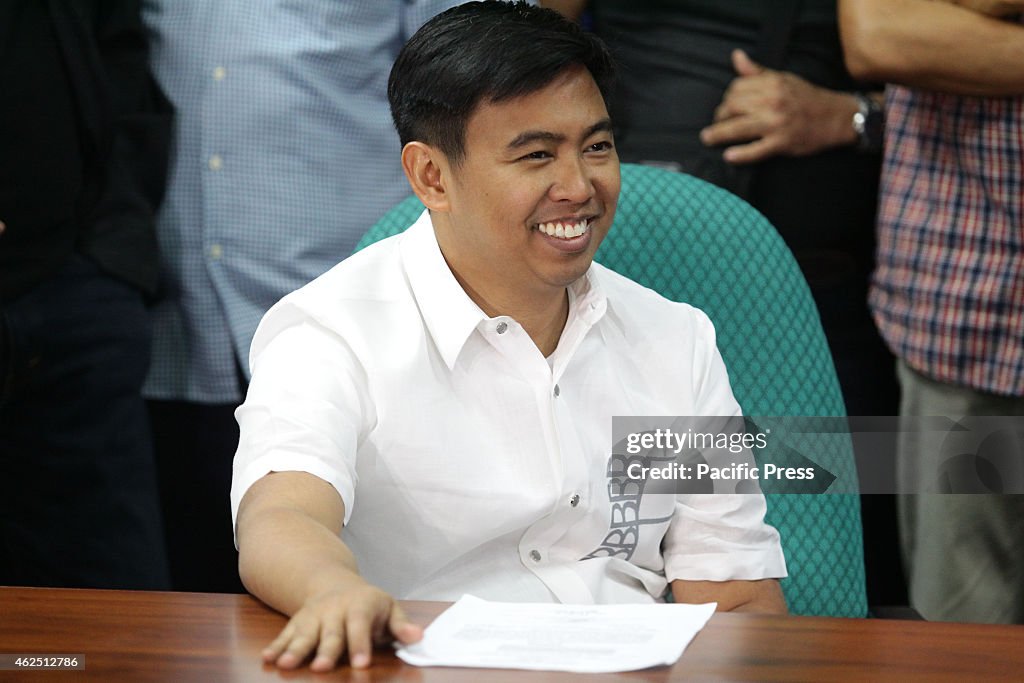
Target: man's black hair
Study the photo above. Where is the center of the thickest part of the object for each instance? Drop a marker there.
(484, 52)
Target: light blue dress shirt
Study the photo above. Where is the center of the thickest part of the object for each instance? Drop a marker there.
(285, 154)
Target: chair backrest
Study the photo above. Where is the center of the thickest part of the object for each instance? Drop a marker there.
(694, 242)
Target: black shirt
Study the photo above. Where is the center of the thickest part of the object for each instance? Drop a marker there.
(84, 135)
(675, 63)
(41, 161)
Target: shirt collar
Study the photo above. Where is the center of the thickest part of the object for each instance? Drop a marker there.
(448, 313)
(587, 299)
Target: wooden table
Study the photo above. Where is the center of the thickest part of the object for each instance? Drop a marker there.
(146, 636)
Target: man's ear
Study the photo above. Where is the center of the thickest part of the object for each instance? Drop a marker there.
(428, 173)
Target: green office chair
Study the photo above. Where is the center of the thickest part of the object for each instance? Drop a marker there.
(693, 242)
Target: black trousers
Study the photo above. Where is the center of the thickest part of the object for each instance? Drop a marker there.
(195, 444)
(78, 493)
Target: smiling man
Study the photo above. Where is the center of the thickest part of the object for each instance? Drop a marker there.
(438, 407)
(518, 220)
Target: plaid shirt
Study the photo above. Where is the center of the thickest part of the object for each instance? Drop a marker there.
(948, 291)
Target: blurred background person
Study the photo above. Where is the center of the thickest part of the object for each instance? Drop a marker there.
(284, 155)
(83, 152)
(755, 97)
(948, 293)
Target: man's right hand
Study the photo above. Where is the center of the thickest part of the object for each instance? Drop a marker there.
(349, 618)
(291, 557)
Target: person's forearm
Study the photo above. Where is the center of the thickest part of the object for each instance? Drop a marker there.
(286, 557)
(763, 596)
(993, 8)
(834, 114)
(292, 557)
(932, 45)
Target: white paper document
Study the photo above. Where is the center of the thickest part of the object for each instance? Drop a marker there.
(553, 637)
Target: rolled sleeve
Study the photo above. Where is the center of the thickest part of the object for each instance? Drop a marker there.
(719, 536)
(722, 537)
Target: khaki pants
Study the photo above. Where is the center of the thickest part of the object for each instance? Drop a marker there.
(964, 553)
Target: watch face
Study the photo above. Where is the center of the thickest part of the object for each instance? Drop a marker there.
(859, 122)
(868, 123)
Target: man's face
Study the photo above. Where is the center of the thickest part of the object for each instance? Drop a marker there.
(535, 165)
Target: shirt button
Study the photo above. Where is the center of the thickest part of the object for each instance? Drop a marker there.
(558, 392)
(575, 500)
(216, 251)
(535, 555)
(219, 73)
(502, 327)
(216, 162)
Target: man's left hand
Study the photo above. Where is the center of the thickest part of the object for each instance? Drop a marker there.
(763, 596)
(766, 113)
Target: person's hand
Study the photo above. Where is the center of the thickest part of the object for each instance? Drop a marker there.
(352, 617)
(993, 8)
(766, 113)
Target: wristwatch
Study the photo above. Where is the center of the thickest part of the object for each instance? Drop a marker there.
(868, 123)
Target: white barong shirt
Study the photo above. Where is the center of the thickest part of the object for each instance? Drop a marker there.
(469, 463)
